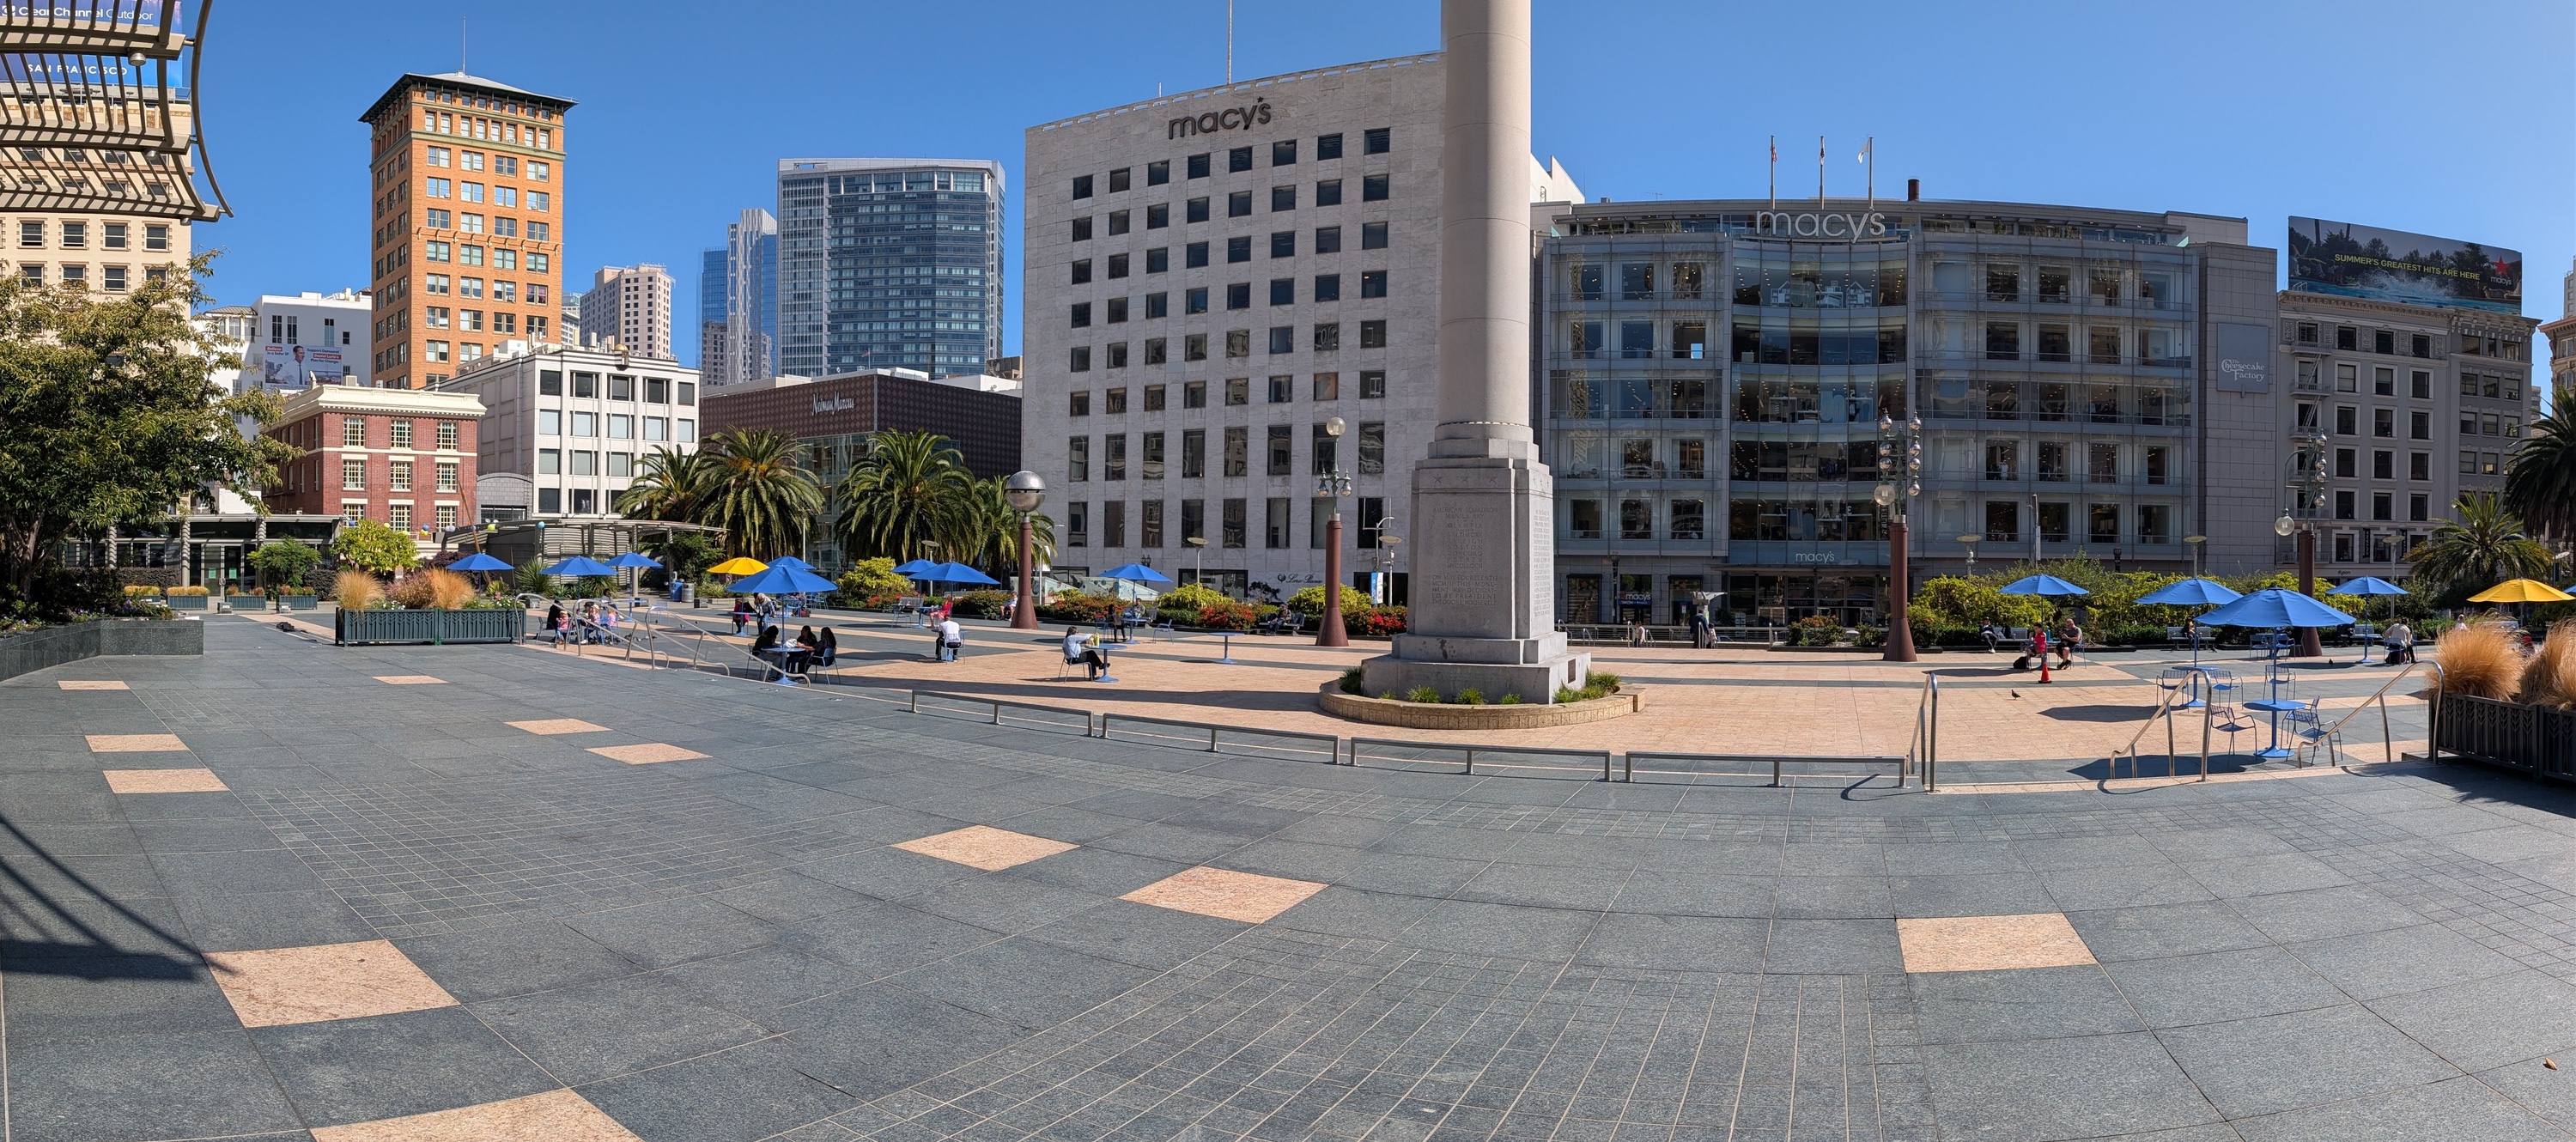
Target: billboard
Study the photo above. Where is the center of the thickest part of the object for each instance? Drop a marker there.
(2392, 265)
(294, 368)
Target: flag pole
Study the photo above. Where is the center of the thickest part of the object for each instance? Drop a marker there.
(1820, 172)
(1775, 174)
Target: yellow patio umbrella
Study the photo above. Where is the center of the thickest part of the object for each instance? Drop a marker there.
(2521, 591)
(739, 565)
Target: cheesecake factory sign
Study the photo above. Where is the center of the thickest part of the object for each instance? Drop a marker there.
(1214, 122)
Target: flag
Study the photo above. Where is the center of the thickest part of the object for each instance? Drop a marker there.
(1865, 149)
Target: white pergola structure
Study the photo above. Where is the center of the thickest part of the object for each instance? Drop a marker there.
(93, 118)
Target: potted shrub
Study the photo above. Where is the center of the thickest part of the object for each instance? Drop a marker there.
(299, 598)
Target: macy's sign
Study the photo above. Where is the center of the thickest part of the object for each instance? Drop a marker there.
(1819, 224)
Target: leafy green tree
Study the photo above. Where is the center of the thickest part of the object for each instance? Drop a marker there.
(684, 555)
(280, 562)
(2484, 546)
(908, 491)
(869, 577)
(671, 485)
(108, 416)
(374, 546)
(2540, 485)
(760, 496)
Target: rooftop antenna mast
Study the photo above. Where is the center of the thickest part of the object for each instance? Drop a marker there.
(1229, 43)
(460, 45)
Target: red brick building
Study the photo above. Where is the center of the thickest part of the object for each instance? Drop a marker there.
(401, 457)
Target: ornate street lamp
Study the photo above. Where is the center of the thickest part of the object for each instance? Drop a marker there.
(1333, 486)
(2305, 488)
(1899, 505)
(1023, 492)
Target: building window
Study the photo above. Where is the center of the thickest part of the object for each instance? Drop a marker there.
(1113, 401)
(1080, 361)
(1077, 521)
(1372, 235)
(1373, 284)
(1082, 229)
(353, 474)
(353, 432)
(402, 433)
(1082, 271)
(1376, 187)
(156, 237)
(1195, 210)
(1283, 339)
(1238, 204)
(1282, 457)
(1378, 141)
(447, 475)
(1372, 384)
(549, 461)
(1082, 186)
(1283, 389)
(1328, 146)
(1113, 523)
(1077, 453)
(1117, 223)
(401, 481)
(1274, 531)
(1239, 159)
(1158, 172)
(1113, 457)
(1194, 454)
(1373, 335)
(1283, 198)
(399, 515)
(1238, 343)
(1372, 448)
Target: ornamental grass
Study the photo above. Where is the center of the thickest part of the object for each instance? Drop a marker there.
(2478, 659)
(448, 590)
(2549, 676)
(356, 590)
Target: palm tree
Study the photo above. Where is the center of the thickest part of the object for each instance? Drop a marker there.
(992, 539)
(2483, 547)
(2540, 486)
(670, 485)
(759, 495)
(907, 491)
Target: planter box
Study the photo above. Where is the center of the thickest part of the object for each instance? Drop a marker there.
(53, 646)
(2537, 741)
(303, 602)
(378, 628)
(186, 602)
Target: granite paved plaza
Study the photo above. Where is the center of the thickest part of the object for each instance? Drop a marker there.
(292, 891)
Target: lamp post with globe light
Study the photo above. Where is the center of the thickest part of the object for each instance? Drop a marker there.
(1332, 486)
(1023, 492)
(1898, 485)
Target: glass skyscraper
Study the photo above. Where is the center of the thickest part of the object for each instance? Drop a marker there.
(738, 303)
(889, 263)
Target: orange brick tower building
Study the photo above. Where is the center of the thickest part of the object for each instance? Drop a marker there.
(468, 218)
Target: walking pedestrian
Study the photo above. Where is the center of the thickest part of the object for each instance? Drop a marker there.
(741, 614)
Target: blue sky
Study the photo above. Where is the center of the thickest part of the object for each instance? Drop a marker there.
(2452, 119)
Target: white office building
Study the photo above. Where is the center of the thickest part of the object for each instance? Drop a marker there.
(573, 423)
(297, 341)
(1211, 278)
(629, 307)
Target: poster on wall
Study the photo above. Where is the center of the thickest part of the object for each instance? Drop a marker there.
(294, 368)
(2349, 260)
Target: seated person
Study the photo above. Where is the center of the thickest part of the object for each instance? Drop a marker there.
(1085, 650)
(768, 640)
(827, 646)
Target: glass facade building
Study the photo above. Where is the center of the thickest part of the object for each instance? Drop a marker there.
(889, 263)
(1714, 376)
(738, 303)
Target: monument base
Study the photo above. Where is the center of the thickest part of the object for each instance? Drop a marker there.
(1489, 667)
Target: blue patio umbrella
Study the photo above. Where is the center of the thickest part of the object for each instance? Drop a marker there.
(782, 581)
(1134, 573)
(581, 565)
(2370, 585)
(2192, 593)
(478, 562)
(914, 569)
(791, 561)
(960, 574)
(2276, 607)
(2047, 586)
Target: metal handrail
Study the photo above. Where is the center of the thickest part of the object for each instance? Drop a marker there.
(2164, 710)
(1468, 766)
(1924, 752)
(998, 704)
(1628, 762)
(2387, 735)
(1215, 732)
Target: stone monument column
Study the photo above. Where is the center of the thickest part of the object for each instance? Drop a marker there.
(1483, 612)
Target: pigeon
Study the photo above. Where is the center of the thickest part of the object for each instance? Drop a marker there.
(2016, 693)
